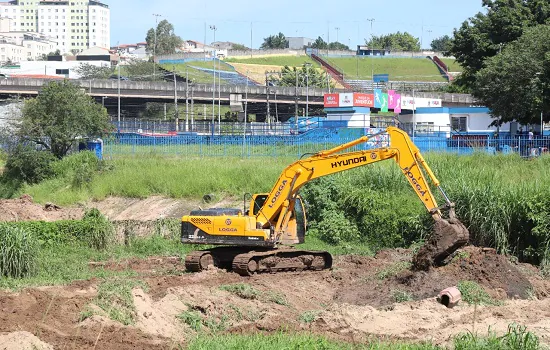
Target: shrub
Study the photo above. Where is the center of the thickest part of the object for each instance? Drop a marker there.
(29, 165)
(18, 252)
(334, 228)
(99, 231)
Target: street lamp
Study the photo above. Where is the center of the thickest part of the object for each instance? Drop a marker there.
(213, 28)
(371, 20)
(155, 47)
(307, 89)
(337, 30)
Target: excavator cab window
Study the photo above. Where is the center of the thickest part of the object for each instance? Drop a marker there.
(259, 201)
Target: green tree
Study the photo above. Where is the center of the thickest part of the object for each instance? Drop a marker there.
(44, 57)
(442, 44)
(89, 71)
(319, 43)
(337, 46)
(138, 70)
(167, 42)
(395, 42)
(275, 42)
(307, 76)
(239, 47)
(60, 115)
(515, 84)
(486, 34)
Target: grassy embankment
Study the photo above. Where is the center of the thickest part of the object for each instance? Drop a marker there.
(404, 69)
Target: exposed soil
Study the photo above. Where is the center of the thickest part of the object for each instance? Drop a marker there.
(115, 208)
(350, 302)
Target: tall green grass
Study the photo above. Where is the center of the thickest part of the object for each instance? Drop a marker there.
(18, 252)
(503, 199)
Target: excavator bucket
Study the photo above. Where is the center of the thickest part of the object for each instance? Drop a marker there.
(448, 236)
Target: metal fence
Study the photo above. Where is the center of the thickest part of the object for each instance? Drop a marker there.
(276, 145)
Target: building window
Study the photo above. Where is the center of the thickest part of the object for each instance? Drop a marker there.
(424, 127)
(62, 71)
(459, 123)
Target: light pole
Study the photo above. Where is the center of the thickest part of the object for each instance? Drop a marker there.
(118, 67)
(371, 20)
(213, 28)
(307, 89)
(429, 36)
(337, 30)
(155, 47)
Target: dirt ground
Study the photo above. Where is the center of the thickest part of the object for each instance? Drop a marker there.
(115, 208)
(352, 301)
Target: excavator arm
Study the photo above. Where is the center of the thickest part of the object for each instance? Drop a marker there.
(449, 234)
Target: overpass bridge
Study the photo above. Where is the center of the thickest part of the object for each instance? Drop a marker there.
(144, 91)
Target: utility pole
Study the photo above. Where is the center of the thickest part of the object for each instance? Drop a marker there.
(296, 99)
(219, 95)
(307, 89)
(176, 101)
(337, 30)
(192, 107)
(371, 20)
(276, 110)
(213, 28)
(268, 117)
(118, 66)
(245, 113)
(186, 99)
(250, 41)
(155, 47)
(164, 110)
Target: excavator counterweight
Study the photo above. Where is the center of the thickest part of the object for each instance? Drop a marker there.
(257, 239)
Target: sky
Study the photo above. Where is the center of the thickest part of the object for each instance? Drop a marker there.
(239, 20)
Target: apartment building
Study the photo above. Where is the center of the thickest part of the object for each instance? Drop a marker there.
(74, 25)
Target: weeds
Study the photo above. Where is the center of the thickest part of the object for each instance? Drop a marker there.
(114, 296)
(400, 296)
(309, 316)
(99, 230)
(277, 298)
(473, 293)
(517, 338)
(18, 252)
(393, 270)
(192, 318)
(243, 290)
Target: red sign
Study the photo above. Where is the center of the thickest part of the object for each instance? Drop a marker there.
(332, 100)
(363, 100)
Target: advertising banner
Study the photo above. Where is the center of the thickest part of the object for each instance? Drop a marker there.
(391, 99)
(408, 102)
(397, 99)
(384, 107)
(363, 100)
(377, 98)
(332, 100)
(346, 100)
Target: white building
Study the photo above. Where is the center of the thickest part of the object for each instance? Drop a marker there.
(61, 69)
(17, 46)
(75, 25)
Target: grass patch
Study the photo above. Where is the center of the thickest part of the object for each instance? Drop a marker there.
(399, 69)
(517, 338)
(393, 270)
(281, 340)
(452, 65)
(309, 316)
(195, 75)
(292, 61)
(243, 290)
(191, 318)
(401, 296)
(473, 293)
(277, 298)
(114, 296)
(196, 321)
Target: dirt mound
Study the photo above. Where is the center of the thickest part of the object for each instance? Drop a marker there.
(22, 341)
(24, 209)
(396, 281)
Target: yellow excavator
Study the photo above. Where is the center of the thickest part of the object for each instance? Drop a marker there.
(260, 238)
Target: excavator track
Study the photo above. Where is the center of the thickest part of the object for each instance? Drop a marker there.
(280, 260)
(246, 262)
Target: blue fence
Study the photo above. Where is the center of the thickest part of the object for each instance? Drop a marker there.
(246, 145)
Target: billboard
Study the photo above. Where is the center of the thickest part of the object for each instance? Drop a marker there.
(363, 100)
(346, 100)
(408, 102)
(332, 100)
